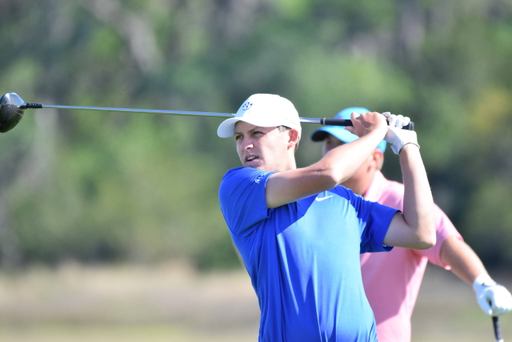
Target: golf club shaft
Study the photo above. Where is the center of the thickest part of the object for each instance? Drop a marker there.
(321, 121)
(132, 110)
(336, 122)
(497, 328)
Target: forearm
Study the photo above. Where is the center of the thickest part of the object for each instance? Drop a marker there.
(343, 161)
(494, 299)
(418, 206)
(463, 261)
(334, 168)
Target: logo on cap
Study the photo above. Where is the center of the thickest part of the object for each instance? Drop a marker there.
(246, 105)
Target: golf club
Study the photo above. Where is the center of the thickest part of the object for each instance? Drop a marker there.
(497, 329)
(12, 108)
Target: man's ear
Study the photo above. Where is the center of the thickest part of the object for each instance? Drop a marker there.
(378, 158)
(293, 141)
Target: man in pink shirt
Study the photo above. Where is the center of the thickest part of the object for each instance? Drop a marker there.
(392, 280)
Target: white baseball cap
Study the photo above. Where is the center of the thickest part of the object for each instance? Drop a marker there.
(263, 110)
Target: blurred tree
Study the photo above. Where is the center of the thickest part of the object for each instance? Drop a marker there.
(102, 187)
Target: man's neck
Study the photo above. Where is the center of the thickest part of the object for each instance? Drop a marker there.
(361, 185)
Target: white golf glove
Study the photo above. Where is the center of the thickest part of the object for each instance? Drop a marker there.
(397, 136)
(493, 298)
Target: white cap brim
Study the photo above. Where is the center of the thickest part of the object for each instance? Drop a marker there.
(227, 128)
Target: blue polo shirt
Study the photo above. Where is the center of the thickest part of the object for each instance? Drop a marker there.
(303, 258)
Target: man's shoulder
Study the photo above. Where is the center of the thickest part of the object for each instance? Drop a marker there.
(385, 184)
(242, 178)
(385, 191)
(243, 172)
(233, 171)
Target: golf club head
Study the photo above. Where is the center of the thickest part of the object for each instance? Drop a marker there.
(10, 111)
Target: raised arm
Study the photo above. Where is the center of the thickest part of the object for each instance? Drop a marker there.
(334, 168)
(414, 228)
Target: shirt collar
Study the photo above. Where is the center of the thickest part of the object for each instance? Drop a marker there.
(376, 187)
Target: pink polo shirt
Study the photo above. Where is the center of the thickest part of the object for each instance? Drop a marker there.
(392, 280)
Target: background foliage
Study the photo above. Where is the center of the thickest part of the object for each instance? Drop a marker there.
(96, 187)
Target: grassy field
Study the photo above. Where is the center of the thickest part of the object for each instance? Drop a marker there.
(174, 303)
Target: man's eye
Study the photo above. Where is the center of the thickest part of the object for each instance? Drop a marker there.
(238, 137)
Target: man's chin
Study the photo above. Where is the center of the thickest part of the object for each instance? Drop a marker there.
(256, 165)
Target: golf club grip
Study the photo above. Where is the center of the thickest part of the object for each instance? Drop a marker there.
(497, 328)
(343, 122)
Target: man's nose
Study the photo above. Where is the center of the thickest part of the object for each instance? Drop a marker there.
(248, 144)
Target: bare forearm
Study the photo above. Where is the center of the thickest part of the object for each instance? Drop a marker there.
(418, 207)
(344, 160)
(334, 168)
(463, 261)
(339, 164)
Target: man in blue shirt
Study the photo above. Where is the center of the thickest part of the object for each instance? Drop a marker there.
(300, 233)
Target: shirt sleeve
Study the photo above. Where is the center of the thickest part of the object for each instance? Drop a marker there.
(444, 230)
(374, 219)
(379, 219)
(242, 199)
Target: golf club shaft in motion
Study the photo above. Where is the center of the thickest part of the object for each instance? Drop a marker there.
(12, 108)
(497, 328)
